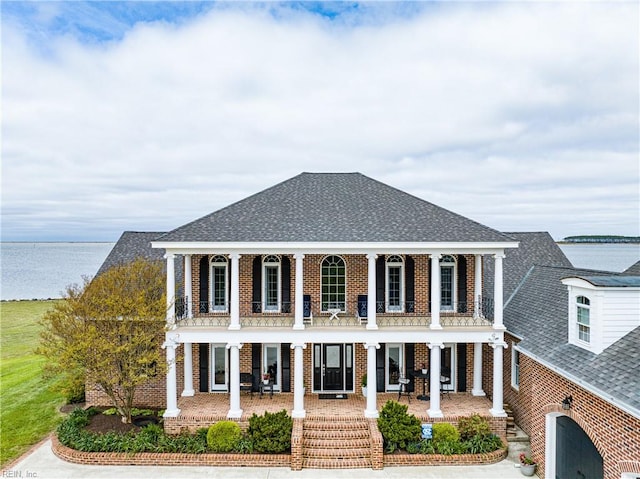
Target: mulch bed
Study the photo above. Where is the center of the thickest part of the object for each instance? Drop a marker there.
(101, 424)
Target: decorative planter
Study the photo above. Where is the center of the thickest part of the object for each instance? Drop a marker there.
(424, 371)
(527, 469)
(265, 381)
(364, 391)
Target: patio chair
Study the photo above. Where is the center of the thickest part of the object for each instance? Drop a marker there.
(403, 388)
(246, 382)
(445, 381)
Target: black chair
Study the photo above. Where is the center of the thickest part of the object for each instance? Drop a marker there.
(403, 388)
(246, 382)
(445, 381)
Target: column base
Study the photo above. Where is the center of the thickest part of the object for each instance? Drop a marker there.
(498, 412)
(188, 393)
(371, 414)
(478, 392)
(234, 414)
(435, 413)
(234, 327)
(500, 327)
(298, 327)
(171, 413)
(435, 326)
(372, 326)
(298, 413)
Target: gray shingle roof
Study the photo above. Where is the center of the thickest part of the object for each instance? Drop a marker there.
(538, 313)
(130, 246)
(336, 207)
(535, 248)
(633, 270)
(619, 281)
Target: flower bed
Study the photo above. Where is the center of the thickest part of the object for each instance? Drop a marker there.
(442, 459)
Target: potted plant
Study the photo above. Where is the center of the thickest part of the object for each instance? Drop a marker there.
(266, 377)
(423, 367)
(363, 383)
(527, 465)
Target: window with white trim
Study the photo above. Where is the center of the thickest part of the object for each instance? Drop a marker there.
(447, 283)
(583, 312)
(515, 368)
(271, 283)
(394, 284)
(219, 284)
(333, 283)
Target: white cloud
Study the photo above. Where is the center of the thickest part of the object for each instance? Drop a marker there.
(522, 116)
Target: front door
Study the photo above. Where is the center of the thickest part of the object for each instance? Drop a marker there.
(333, 367)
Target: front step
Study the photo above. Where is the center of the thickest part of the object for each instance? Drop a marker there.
(336, 444)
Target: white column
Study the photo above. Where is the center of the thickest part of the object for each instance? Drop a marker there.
(434, 379)
(298, 380)
(477, 287)
(498, 402)
(188, 371)
(234, 378)
(371, 296)
(235, 292)
(435, 292)
(477, 370)
(372, 383)
(171, 288)
(188, 287)
(172, 410)
(298, 300)
(498, 298)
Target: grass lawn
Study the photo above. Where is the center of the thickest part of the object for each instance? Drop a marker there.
(28, 406)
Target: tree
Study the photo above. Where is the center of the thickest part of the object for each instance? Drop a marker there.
(112, 328)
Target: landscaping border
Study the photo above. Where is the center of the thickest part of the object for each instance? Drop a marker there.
(443, 460)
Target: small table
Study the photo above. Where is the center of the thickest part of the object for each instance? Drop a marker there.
(424, 377)
(264, 386)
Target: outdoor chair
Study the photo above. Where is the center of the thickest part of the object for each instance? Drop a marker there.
(246, 382)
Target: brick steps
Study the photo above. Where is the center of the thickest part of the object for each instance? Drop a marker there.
(336, 444)
(511, 423)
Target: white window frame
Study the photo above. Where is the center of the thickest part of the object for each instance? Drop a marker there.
(515, 369)
(454, 359)
(453, 264)
(216, 263)
(265, 363)
(398, 262)
(268, 262)
(401, 371)
(322, 301)
(212, 370)
(585, 307)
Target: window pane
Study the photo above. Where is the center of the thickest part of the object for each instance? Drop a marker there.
(446, 286)
(271, 286)
(394, 285)
(219, 287)
(333, 283)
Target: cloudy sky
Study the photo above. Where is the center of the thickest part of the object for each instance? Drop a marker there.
(118, 116)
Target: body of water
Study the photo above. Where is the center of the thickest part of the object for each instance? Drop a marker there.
(44, 270)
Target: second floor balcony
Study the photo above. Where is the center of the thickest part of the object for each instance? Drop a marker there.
(471, 314)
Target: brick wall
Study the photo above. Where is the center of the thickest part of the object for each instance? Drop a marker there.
(615, 433)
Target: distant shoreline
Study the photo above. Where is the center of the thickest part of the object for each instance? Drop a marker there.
(609, 241)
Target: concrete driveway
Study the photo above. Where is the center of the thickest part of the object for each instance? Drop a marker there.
(41, 463)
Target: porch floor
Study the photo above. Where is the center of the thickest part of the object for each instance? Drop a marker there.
(216, 405)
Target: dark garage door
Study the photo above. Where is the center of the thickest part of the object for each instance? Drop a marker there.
(576, 456)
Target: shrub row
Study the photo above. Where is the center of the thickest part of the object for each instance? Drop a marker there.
(270, 433)
(402, 431)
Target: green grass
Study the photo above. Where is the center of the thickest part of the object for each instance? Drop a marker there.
(28, 404)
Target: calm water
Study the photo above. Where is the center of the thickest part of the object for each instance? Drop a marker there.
(43, 270)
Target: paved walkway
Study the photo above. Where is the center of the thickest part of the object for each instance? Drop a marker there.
(41, 463)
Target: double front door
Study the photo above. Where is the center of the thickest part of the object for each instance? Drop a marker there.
(333, 367)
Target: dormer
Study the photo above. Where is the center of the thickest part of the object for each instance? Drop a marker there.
(602, 309)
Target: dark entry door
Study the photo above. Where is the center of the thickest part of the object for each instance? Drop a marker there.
(576, 456)
(333, 367)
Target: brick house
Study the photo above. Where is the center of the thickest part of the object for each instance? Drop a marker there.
(572, 368)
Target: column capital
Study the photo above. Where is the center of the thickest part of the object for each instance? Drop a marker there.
(169, 256)
(234, 345)
(435, 345)
(298, 345)
(499, 255)
(371, 345)
(298, 255)
(499, 344)
(234, 255)
(371, 256)
(171, 343)
(435, 255)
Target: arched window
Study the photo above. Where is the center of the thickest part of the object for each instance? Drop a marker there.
(333, 283)
(395, 283)
(271, 283)
(447, 283)
(583, 312)
(219, 284)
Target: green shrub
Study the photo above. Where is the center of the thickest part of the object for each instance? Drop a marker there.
(271, 432)
(397, 427)
(245, 445)
(481, 444)
(448, 447)
(224, 436)
(443, 431)
(474, 425)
